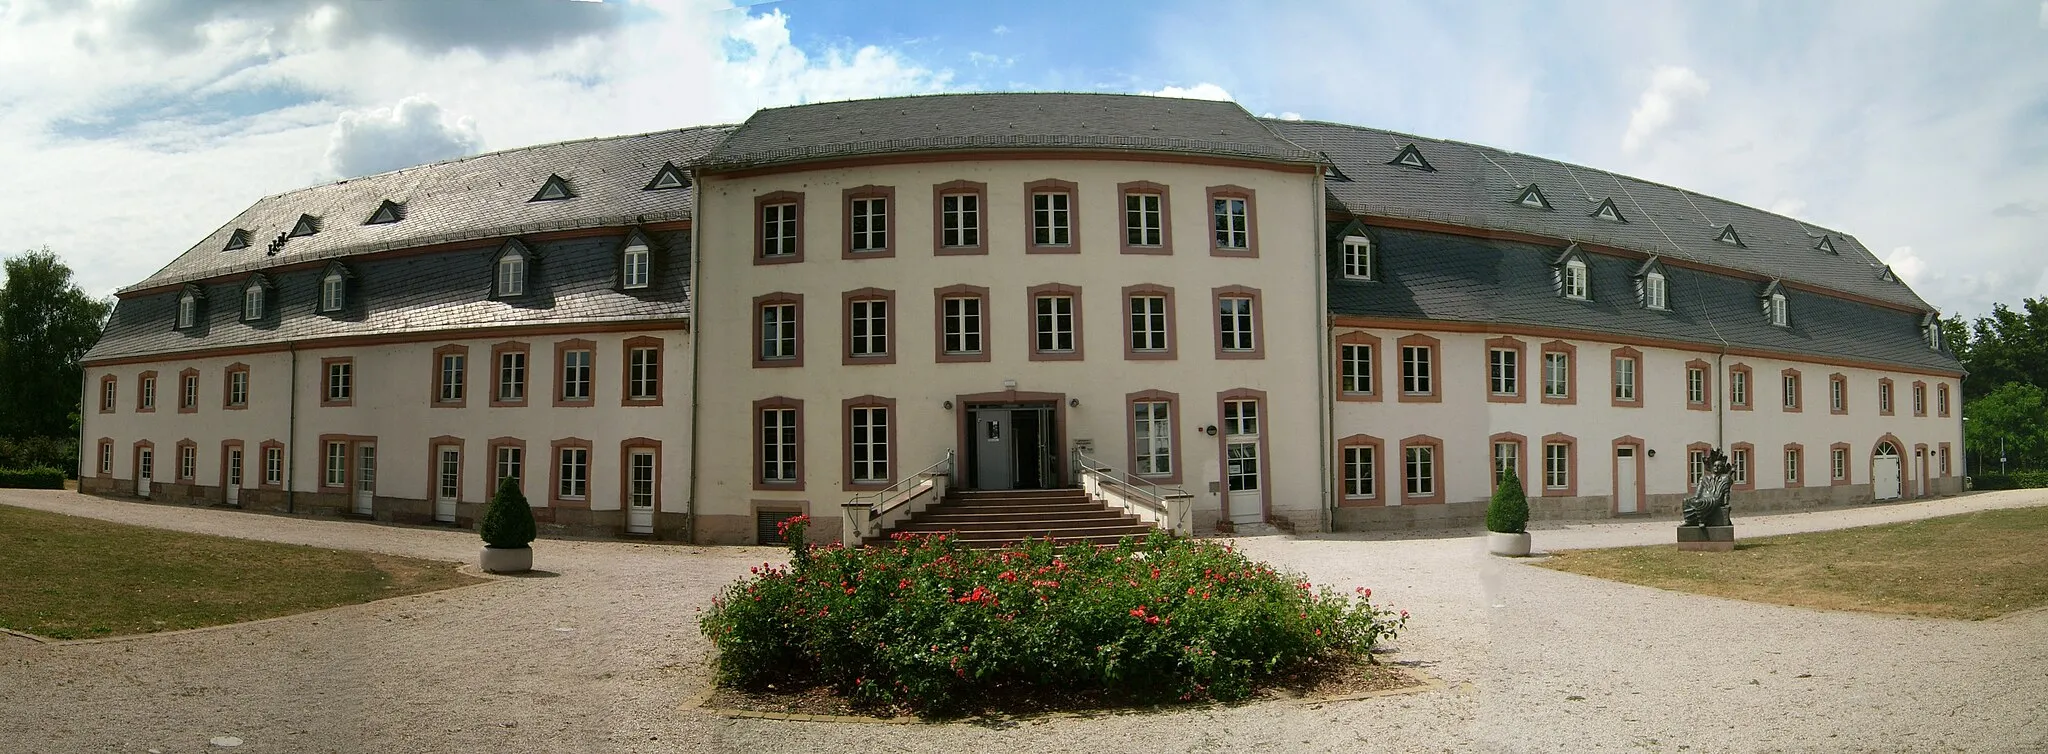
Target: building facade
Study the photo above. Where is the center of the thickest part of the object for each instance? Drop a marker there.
(692, 334)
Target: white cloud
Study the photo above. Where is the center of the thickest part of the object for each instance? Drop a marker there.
(1283, 116)
(1788, 206)
(1204, 90)
(1907, 265)
(1671, 89)
(2044, 14)
(985, 60)
(1001, 30)
(413, 132)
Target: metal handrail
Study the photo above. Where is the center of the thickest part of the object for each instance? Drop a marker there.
(1147, 493)
(875, 499)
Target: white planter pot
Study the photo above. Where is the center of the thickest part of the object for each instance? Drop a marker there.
(1511, 545)
(506, 559)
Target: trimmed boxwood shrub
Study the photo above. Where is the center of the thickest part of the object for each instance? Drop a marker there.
(2013, 481)
(1508, 513)
(39, 478)
(508, 522)
(925, 624)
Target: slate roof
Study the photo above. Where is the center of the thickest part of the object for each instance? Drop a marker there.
(1440, 276)
(571, 281)
(943, 122)
(485, 195)
(1476, 186)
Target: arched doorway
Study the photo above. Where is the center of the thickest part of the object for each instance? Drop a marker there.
(1884, 471)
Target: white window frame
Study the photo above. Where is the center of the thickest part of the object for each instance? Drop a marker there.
(1557, 465)
(577, 370)
(110, 395)
(341, 381)
(643, 373)
(1739, 458)
(1557, 374)
(963, 324)
(188, 310)
(778, 445)
(1919, 400)
(188, 395)
(778, 331)
(778, 230)
(1054, 323)
(1144, 223)
(148, 393)
(238, 388)
(454, 374)
(868, 444)
(1234, 322)
(1416, 378)
(1361, 472)
(1884, 397)
(1152, 438)
(638, 263)
(1504, 371)
(1356, 370)
(332, 288)
(1738, 388)
(868, 327)
(512, 275)
(1696, 467)
(188, 462)
(1576, 286)
(1357, 258)
(273, 466)
(1052, 218)
(511, 376)
(252, 303)
(336, 467)
(1149, 328)
(1776, 308)
(106, 458)
(960, 220)
(574, 467)
(1695, 385)
(1419, 470)
(1837, 394)
(509, 463)
(1790, 384)
(1625, 378)
(1232, 215)
(868, 227)
(1791, 466)
(1655, 294)
(1507, 454)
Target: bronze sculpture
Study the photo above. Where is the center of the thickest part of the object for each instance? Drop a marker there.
(1708, 504)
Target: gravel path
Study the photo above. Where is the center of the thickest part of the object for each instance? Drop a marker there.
(601, 658)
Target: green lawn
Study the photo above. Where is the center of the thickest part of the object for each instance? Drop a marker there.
(1971, 566)
(74, 578)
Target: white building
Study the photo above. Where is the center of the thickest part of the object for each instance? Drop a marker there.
(1313, 325)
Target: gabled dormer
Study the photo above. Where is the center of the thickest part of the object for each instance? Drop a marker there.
(191, 308)
(554, 190)
(1354, 253)
(1330, 172)
(387, 213)
(1410, 157)
(512, 271)
(1533, 197)
(669, 177)
(1885, 274)
(306, 226)
(335, 284)
(1572, 271)
(1930, 330)
(1607, 211)
(237, 240)
(1653, 285)
(1826, 244)
(256, 292)
(1772, 299)
(637, 260)
(1729, 236)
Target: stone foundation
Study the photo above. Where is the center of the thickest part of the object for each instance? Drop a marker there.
(551, 522)
(1472, 514)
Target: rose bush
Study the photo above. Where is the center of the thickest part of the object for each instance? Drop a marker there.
(926, 624)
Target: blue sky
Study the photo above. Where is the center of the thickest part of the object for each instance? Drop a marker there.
(133, 128)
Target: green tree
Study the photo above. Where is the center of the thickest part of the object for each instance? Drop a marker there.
(2006, 346)
(46, 325)
(2016, 414)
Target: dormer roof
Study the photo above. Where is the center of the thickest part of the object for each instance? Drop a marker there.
(1532, 196)
(387, 213)
(668, 177)
(305, 226)
(239, 239)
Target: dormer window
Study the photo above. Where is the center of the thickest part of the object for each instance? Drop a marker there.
(333, 286)
(1930, 326)
(1330, 171)
(188, 310)
(252, 302)
(1575, 283)
(635, 264)
(669, 177)
(1729, 236)
(1887, 275)
(1607, 211)
(1357, 258)
(1775, 307)
(512, 275)
(387, 213)
(1532, 197)
(555, 189)
(237, 240)
(1410, 157)
(1826, 244)
(1654, 294)
(306, 226)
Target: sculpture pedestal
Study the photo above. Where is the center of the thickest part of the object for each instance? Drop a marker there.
(1706, 538)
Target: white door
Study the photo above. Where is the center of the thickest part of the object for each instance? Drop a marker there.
(640, 492)
(366, 478)
(1920, 465)
(145, 467)
(1884, 472)
(1241, 471)
(1625, 479)
(447, 481)
(234, 480)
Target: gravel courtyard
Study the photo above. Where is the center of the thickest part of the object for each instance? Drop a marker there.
(602, 656)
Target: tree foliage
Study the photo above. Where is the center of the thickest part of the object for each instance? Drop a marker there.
(46, 325)
(2016, 413)
(1508, 512)
(508, 522)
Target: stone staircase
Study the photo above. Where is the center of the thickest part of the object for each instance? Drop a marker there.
(993, 518)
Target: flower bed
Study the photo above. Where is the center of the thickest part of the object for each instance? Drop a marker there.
(928, 625)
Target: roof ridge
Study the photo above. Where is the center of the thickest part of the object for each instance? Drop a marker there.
(1567, 163)
(939, 95)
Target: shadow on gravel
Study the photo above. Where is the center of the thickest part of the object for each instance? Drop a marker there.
(530, 575)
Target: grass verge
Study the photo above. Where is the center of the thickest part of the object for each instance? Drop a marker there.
(1971, 566)
(80, 578)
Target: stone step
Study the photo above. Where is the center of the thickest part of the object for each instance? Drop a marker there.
(1054, 525)
(1026, 531)
(1057, 492)
(993, 540)
(938, 515)
(1036, 509)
